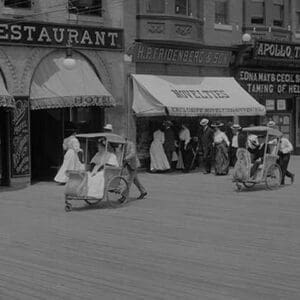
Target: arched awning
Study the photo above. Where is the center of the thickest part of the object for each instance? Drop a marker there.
(54, 86)
(6, 100)
(192, 96)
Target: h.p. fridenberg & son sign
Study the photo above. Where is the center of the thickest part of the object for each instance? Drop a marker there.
(56, 35)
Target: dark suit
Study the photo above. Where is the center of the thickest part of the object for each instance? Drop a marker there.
(169, 144)
(207, 139)
(132, 163)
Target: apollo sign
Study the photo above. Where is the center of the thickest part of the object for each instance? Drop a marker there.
(55, 35)
(277, 50)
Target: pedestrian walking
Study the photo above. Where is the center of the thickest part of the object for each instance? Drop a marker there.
(169, 143)
(206, 140)
(158, 158)
(186, 151)
(221, 145)
(284, 153)
(132, 163)
(236, 128)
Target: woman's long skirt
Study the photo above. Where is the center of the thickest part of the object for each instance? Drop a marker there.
(221, 159)
(159, 160)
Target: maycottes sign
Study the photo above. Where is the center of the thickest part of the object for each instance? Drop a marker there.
(55, 35)
(277, 50)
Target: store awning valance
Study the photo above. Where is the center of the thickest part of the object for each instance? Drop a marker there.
(191, 96)
(54, 86)
(6, 100)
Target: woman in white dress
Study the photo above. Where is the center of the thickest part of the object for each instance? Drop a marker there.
(221, 144)
(159, 160)
(95, 182)
(71, 159)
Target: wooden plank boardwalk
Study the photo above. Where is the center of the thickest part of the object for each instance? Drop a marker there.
(193, 238)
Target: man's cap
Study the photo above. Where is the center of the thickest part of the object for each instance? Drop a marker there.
(204, 122)
(108, 127)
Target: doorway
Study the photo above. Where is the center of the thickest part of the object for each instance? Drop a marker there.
(4, 147)
(48, 129)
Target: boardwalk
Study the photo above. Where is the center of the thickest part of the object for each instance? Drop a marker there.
(193, 238)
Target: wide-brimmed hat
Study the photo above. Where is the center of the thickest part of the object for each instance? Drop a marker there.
(204, 122)
(271, 124)
(217, 124)
(108, 127)
(236, 126)
(167, 122)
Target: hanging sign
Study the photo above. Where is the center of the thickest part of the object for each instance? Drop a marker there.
(55, 35)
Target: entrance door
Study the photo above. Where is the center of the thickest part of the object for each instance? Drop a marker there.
(4, 172)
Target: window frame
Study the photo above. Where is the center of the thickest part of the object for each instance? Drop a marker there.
(188, 11)
(225, 15)
(260, 18)
(73, 8)
(279, 22)
(155, 11)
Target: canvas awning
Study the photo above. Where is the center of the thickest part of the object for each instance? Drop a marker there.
(6, 100)
(191, 96)
(54, 86)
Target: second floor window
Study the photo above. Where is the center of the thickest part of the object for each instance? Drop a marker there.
(155, 6)
(18, 3)
(258, 12)
(221, 12)
(86, 7)
(183, 7)
(278, 13)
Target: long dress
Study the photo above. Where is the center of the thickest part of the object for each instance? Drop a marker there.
(95, 184)
(71, 161)
(221, 153)
(159, 160)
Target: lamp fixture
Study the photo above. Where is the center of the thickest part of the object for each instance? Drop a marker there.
(69, 62)
(246, 38)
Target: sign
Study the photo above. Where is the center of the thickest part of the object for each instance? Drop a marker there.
(276, 50)
(270, 104)
(267, 82)
(55, 35)
(281, 104)
(20, 139)
(174, 55)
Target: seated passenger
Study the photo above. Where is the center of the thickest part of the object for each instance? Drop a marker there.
(95, 183)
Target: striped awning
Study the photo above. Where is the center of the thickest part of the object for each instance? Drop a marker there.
(54, 86)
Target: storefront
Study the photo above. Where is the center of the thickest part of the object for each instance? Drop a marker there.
(54, 99)
(272, 78)
(7, 103)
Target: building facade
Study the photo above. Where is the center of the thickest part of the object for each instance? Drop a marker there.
(33, 45)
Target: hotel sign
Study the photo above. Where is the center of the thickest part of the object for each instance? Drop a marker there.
(175, 55)
(282, 51)
(56, 35)
(267, 82)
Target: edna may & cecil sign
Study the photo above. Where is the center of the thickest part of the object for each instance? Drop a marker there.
(283, 51)
(173, 55)
(55, 35)
(270, 82)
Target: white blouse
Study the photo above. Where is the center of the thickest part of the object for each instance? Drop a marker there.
(219, 137)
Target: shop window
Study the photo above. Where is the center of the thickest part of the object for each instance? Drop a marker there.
(298, 20)
(155, 6)
(258, 12)
(85, 7)
(221, 12)
(183, 7)
(18, 3)
(278, 13)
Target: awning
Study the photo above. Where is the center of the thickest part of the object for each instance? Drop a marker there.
(6, 100)
(54, 86)
(192, 96)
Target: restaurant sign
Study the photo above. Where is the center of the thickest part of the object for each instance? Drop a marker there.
(267, 82)
(276, 50)
(56, 35)
(175, 55)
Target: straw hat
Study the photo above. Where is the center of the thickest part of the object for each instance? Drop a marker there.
(236, 126)
(108, 127)
(204, 122)
(271, 124)
(217, 124)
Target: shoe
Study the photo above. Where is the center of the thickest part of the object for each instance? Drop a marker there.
(122, 200)
(142, 196)
(292, 178)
